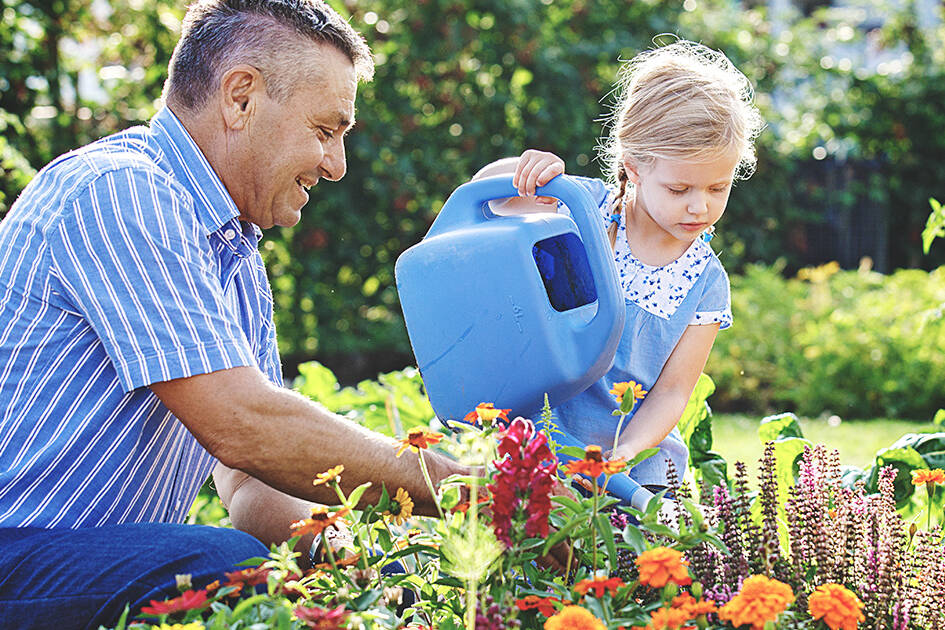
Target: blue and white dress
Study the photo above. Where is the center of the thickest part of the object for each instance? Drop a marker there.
(660, 303)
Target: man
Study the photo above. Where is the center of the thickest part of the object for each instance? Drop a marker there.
(137, 348)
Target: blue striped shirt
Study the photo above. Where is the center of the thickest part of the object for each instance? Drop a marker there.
(122, 264)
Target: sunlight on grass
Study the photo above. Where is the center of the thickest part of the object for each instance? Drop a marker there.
(735, 437)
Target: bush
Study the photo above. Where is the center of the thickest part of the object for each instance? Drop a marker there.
(854, 343)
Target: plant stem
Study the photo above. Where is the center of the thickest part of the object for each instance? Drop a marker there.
(426, 477)
(473, 532)
(356, 527)
(594, 526)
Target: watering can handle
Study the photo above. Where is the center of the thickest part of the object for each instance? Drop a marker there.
(466, 208)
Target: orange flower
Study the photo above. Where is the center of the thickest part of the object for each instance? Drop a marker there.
(188, 600)
(630, 386)
(544, 605)
(418, 438)
(661, 565)
(573, 618)
(599, 585)
(759, 601)
(329, 475)
(839, 607)
(928, 477)
(321, 520)
(486, 413)
(593, 464)
(686, 602)
(668, 619)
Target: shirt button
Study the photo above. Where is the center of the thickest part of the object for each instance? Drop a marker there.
(229, 234)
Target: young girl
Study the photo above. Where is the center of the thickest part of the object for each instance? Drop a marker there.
(682, 132)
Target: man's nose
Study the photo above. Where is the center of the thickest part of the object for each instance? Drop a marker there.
(334, 164)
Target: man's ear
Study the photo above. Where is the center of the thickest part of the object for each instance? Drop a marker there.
(240, 88)
(632, 170)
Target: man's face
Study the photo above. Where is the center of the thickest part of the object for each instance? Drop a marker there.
(290, 146)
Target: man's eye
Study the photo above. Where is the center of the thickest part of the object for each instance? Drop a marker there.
(326, 134)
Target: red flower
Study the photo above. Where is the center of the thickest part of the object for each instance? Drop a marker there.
(188, 600)
(523, 481)
(599, 585)
(593, 464)
(487, 413)
(321, 618)
(544, 605)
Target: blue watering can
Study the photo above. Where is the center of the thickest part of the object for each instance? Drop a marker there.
(506, 309)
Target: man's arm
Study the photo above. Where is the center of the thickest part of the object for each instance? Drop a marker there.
(283, 439)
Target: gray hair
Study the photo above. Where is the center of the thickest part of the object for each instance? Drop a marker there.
(273, 36)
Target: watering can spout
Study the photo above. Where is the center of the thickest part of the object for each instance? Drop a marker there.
(506, 309)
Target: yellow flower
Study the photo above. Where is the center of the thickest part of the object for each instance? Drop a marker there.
(193, 625)
(574, 618)
(759, 601)
(329, 475)
(418, 438)
(928, 477)
(632, 386)
(401, 508)
(661, 565)
(839, 607)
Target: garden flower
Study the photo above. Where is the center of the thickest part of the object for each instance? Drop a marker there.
(247, 577)
(620, 389)
(328, 476)
(321, 618)
(759, 601)
(401, 507)
(321, 519)
(661, 565)
(839, 607)
(692, 607)
(574, 618)
(193, 625)
(486, 413)
(599, 585)
(593, 464)
(188, 600)
(668, 619)
(418, 438)
(928, 477)
(525, 475)
(544, 605)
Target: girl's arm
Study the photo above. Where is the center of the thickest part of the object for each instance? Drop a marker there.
(664, 404)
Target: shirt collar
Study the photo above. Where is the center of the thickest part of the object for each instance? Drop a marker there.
(212, 203)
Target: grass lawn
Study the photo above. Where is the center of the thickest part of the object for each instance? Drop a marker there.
(735, 437)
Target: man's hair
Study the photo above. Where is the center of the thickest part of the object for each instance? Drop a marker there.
(274, 36)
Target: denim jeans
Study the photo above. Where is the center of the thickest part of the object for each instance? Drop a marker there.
(67, 579)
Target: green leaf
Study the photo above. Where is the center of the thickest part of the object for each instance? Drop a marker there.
(697, 408)
(713, 469)
(633, 537)
(934, 226)
(572, 451)
(642, 455)
(904, 459)
(783, 425)
(562, 533)
(355, 495)
(606, 531)
(939, 418)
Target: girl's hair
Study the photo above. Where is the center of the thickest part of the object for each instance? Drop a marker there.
(682, 101)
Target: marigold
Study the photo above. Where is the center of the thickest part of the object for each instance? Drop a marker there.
(486, 413)
(759, 601)
(188, 600)
(928, 477)
(593, 464)
(544, 605)
(321, 520)
(667, 619)
(633, 387)
(418, 438)
(599, 585)
(661, 565)
(694, 608)
(329, 475)
(573, 618)
(401, 507)
(839, 607)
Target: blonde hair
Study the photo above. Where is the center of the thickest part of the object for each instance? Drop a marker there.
(682, 101)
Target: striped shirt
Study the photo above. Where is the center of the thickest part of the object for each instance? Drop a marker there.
(122, 264)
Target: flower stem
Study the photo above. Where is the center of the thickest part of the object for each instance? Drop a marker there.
(356, 527)
(472, 531)
(594, 526)
(426, 477)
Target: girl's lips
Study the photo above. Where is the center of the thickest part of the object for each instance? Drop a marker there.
(693, 227)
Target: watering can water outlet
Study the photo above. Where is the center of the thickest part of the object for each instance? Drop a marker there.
(506, 309)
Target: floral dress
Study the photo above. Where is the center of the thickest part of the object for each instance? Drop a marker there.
(660, 303)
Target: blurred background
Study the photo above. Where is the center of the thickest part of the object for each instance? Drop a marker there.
(838, 310)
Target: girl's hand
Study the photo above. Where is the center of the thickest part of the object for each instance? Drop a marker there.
(536, 168)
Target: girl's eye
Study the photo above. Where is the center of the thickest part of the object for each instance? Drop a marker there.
(678, 191)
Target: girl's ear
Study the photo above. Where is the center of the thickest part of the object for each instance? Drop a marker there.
(632, 171)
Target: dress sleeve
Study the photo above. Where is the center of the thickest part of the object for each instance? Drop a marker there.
(600, 192)
(715, 306)
(130, 257)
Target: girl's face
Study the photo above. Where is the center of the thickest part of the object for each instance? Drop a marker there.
(683, 198)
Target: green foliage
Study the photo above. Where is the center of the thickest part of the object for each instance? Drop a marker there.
(854, 343)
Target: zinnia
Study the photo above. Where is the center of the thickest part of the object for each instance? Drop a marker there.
(839, 607)
(418, 438)
(593, 464)
(544, 605)
(321, 520)
(486, 413)
(329, 475)
(574, 618)
(661, 565)
(928, 477)
(635, 389)
(188, 600)
(401, 507)
(759, 601)
(599, 585)
(321, 618)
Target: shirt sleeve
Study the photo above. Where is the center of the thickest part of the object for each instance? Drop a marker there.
(715, 306)
(133, 260)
